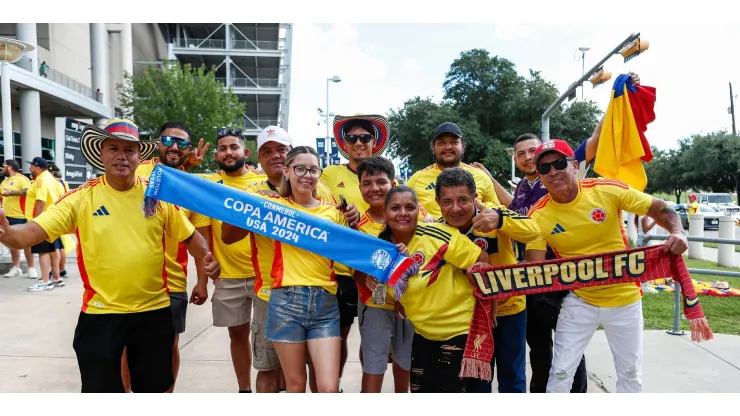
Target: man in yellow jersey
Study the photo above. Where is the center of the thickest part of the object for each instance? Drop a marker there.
(273, 144)
(14, 188)
(46, 191)
(692, 207)
(384, 331)
(358, 138)
(448, 148)
(61, 253)
(121, 257)
(456, 196)
(583, 217)
(234, 290)
(174, 151)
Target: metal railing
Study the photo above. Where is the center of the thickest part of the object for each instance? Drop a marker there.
(259, 123)
(251, 82)
(253, 45)
(676, 330)
(59, 78)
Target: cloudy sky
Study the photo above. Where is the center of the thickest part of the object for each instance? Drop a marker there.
(382, 65)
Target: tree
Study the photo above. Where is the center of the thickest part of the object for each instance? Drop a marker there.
(181, 93)
(664, 173)
(707, 162)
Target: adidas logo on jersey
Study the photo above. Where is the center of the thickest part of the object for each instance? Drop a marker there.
(341, 185)
(101, 211)
(431, 186)
(558, 229)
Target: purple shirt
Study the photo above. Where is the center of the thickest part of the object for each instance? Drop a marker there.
(524, 197)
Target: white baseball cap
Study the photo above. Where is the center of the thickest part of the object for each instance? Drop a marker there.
(273, 134)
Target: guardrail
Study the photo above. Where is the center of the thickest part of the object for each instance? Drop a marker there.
(676, 330)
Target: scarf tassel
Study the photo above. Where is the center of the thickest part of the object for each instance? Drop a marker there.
(402, 283)
(472, 368)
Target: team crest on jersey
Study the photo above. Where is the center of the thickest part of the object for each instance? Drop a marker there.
(482, 243)
(598, 215)
(418, 258)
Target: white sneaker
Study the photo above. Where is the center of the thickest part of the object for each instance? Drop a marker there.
(58, 283)
(14, 272)
(41, 286)
(32, 273)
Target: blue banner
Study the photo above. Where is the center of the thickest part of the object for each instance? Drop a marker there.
(266, 216)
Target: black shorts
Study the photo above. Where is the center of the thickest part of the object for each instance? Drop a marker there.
(16, 221)
(47, 247)
(99, 341)
(435, 365)
(179, 305)
(347, 298)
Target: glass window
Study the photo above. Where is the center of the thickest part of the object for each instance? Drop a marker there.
(47, 149)
(16, 147)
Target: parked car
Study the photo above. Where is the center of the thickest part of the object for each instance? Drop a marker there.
(722, 202)
(711, 216)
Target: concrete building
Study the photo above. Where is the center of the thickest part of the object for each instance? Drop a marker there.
(86, 62)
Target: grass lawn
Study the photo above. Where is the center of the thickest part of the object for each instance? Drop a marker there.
(723, 314)
(714, 245)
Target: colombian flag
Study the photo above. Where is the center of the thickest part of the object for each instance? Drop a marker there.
(622, 144)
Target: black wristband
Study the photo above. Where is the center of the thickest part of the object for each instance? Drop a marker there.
(500, 219)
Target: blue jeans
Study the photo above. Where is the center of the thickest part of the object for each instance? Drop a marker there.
(509, 354)
(300, 313)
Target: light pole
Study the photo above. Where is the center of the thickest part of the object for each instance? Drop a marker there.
(327, 147)
(583, 50)
(11, 50)
(510, 151)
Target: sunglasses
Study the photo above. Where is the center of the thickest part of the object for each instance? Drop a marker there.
(171, 140)
(364, 138)
(560, 164)
(223, 132)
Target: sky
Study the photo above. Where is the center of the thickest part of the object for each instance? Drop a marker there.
(382, 65)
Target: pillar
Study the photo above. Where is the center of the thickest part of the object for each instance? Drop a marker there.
(7, 110)
(26, 32)
(696, 229)
(99, 62)
(127, 48)
(726, 252)
(30, 101)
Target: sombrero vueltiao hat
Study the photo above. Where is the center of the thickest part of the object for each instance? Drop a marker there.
(379, 124)
(93, 137)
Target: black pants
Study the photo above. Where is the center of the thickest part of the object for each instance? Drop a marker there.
(435, 365)
(542, 319)
(148, 336)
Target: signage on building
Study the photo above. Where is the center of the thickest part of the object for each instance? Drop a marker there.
(76, 169)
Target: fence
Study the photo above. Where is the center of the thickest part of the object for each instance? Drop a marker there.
(726, 253)
(61, 79)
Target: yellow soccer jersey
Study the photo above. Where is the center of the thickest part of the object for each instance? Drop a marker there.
(235, 259)
(48, 189)
(424, 181)
(591, 224)
(120, 253)
(30, 201)
(439, 300)
(500, 248)
(15, 206)
(176, 254)
(262, 249)
(289, 265)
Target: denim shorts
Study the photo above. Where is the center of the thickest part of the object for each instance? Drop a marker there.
(300, 313)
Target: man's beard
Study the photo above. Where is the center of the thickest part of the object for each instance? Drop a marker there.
(163, 160)
(233, 168)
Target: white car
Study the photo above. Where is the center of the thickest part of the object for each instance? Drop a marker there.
(723, 203)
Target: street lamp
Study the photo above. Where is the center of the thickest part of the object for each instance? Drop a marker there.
(335, 78)
(510, 151)
(11, 50)
(583, 50)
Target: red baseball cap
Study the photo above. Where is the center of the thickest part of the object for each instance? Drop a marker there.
(554, 145)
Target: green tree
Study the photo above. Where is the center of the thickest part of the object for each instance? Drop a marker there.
(664, 173)
(707, 161)
(182, 93)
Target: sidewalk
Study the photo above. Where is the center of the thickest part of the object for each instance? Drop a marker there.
(36, 352)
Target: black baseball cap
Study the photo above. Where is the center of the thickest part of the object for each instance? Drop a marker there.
(40, 162)
(447, 128)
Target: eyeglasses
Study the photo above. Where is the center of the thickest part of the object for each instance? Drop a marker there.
(171, 140)
(364, 138)
(223, 132)
(301, 170)
(560, 164)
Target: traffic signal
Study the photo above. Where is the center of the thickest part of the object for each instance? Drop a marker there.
(634, 48)
(600, 77)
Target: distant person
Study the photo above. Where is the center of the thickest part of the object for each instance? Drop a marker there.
(43, 68)
(692, 207)
(14, 188)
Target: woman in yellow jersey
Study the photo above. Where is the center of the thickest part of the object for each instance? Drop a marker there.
(383, 329)
(302, 309)
(439, 300)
